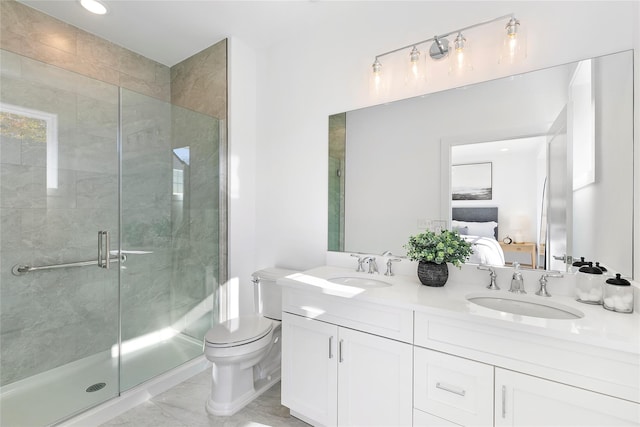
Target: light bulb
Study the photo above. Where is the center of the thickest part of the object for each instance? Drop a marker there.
(415, 72)
(514, 46)
(375, 79)
(460, 57)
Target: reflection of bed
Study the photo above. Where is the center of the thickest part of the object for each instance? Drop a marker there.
(479, 226)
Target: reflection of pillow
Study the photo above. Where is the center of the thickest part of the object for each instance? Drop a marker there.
(482, 229)
(461, 230)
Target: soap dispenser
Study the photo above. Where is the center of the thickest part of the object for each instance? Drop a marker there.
(517, 282)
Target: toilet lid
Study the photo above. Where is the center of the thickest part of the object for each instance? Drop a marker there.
(239, 331)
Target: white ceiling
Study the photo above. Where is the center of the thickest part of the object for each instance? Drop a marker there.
(168, 31)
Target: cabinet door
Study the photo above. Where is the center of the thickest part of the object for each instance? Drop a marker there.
(455, 389)
(374, 380)
(523, 400)
(309, 369)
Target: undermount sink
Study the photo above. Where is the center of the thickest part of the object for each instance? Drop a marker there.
(364, 282)
(525, 306)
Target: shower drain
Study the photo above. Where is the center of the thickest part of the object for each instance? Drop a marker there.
(96, 387)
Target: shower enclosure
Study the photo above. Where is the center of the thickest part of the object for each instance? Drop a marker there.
(109, 208)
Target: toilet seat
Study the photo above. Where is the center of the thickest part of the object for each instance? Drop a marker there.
(239, 331)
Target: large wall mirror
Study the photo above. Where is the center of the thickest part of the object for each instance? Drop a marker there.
(547, 156)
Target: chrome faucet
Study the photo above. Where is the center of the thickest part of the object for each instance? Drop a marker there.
(543, 283)
(389, 262)
(517, 282)
(492, 275)
(386, 253)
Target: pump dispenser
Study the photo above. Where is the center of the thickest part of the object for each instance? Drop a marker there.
(517, 282)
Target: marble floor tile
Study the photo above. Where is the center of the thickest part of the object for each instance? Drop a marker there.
(184, 406)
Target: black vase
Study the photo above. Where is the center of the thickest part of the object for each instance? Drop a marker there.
(432, 274)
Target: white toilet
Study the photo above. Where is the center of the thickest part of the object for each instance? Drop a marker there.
(245, 352)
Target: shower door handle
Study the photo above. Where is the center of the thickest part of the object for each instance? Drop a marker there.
(104, 255)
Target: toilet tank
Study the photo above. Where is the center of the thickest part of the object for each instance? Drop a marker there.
(267, 294)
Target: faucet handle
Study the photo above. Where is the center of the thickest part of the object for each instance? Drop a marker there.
(360, 268)
(543, 283)
(492, 275)
(389, 262)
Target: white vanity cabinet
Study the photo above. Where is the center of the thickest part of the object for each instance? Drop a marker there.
(453, 391)
(336, 375)
(540, 387)
(524, 400)
(405, 355)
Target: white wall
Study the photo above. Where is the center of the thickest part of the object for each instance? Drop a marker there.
(237, 293)
(304, 79)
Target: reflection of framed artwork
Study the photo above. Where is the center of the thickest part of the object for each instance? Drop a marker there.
(471, 181)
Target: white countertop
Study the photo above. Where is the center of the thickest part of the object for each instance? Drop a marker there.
(598, 327)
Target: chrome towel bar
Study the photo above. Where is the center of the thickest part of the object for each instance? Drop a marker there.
(20, 270)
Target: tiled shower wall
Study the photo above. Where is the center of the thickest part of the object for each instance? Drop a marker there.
(35, 35)
(53, 325)
(51, 317)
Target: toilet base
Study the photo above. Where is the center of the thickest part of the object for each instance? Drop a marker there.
(230, 408)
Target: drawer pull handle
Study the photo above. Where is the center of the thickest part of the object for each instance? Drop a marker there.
(451, 389)
(340, 359)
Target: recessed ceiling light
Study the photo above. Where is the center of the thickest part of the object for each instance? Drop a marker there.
(94, 6)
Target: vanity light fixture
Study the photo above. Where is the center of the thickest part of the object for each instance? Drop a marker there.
(94, 6)
(513, 48)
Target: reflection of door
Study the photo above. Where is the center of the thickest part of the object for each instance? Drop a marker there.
(559, 211)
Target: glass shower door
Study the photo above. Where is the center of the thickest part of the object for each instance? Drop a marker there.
(59, 233)
(170, 211)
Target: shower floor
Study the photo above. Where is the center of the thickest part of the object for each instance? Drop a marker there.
(61, 392)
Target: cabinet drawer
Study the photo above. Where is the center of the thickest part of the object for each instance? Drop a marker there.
(453, 388)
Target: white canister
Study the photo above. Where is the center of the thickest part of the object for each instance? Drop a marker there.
(618, 295)
(589, 284)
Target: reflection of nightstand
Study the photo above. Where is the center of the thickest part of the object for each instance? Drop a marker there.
(525, 248)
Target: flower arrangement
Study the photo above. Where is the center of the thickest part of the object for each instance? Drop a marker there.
(446, 246)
